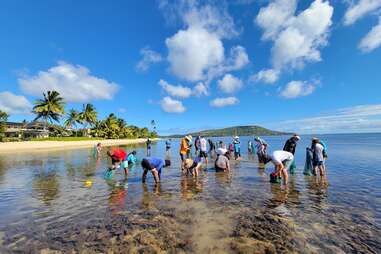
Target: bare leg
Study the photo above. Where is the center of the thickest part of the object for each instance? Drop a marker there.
(322, 170)
(155, 175)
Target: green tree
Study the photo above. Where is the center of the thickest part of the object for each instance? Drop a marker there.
(3, 119)
(50, 108)
(72, 119)
(88, 116)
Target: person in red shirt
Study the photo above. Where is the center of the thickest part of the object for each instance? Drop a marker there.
(117, 156)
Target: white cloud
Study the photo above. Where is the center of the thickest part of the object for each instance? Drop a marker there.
(175, 91)
(200, 90)
(361, 118)
(14, 104)
(274, 17)
(360, 9)
(297, 38)
(196, 53)
(222, 102)
(193, 51)
(372, 40)
(268, 76)
(295, 89)
(73, 82)
(229, 84)
(172, 106)
(148, 57)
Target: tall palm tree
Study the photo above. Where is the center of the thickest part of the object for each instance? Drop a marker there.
(3, 119)
(50, 108)
(88, 116)
(72, 119)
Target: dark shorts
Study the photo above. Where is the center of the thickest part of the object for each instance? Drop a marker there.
(318, 163)
(183, 156)
(203, 154)
(218, 169)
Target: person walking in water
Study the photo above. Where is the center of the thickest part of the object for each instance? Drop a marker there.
(185, 147)
(282, 160)
(290, 146)
(261, 150)
(212, 147)
(203, 149)
(317, 157)
(148, 143)
(168, 145)
(197, 145)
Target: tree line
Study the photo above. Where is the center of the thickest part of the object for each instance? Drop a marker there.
(51, 109)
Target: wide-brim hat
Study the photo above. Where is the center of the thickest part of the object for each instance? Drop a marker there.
(236, 137)
(221, 151)
(188, 137)
(188, 163)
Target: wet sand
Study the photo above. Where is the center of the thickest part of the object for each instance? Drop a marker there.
(33, 146)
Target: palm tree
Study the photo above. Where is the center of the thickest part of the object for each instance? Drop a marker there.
(50, 108)
(3, 119)
(153, 124)
(88, 116)
(72, 119)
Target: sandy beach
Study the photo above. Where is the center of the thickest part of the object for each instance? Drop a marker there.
(33, 146)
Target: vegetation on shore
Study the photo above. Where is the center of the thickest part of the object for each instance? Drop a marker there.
(252, 130)
(65, 139)
(51, 109)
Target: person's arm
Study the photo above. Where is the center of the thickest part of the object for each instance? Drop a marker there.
(227, 165)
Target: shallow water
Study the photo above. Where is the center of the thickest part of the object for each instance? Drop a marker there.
(45, 205)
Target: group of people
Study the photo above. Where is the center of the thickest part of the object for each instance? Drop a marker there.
(191, 164)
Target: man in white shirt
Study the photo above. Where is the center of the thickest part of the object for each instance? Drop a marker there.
(281, 161)
(318, 156)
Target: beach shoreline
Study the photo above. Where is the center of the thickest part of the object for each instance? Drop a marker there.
(36, 146)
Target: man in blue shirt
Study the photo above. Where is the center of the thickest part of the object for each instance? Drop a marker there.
(154, 165)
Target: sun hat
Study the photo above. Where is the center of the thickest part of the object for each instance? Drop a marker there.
(236, 137)
(188, 163)
(188, 137)
(221, 151)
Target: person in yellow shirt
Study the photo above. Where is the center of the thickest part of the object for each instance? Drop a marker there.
(185, 147)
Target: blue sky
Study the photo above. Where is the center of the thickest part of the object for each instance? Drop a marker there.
(302, 66)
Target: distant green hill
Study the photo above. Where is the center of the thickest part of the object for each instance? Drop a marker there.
(236, 131)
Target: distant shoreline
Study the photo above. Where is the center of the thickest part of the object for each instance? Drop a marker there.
(36, 146)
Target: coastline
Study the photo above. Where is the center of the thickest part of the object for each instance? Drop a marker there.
(36, 146)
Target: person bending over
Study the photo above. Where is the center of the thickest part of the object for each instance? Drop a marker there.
(281, 161)
(155, 165)
(222, 161)
(192, 166)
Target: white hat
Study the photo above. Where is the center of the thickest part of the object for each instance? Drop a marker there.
(221, 151)
(236, 137)
(189, 138)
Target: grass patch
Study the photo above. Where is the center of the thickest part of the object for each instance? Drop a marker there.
(65, 139)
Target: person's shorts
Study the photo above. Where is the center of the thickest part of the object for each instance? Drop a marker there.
(318, 163)
(125, 164)
(287, 163)
(218, 169)
(183, 156)
(203, 154)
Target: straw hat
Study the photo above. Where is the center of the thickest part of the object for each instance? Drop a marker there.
(189, 138)
(188, 163)
(236, 137)
(221, 151)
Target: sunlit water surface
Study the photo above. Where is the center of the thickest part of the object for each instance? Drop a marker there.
(46, 206)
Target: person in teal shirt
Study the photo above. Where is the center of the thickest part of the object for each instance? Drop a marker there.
(130, 160)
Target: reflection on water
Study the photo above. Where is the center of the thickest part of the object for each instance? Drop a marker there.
(45, 204)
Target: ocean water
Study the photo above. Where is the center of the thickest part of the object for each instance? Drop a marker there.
(45, 204)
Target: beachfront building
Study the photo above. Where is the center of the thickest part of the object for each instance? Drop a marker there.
(25, 130)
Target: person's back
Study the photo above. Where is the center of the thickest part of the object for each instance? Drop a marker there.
(281, 156)
(222, 163)
(203, 144)
(318, 152)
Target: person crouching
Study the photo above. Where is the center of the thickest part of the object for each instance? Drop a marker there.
(155, 165)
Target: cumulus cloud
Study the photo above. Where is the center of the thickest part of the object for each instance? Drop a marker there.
(196, 52)
(148, 57)
(175, 91)
(295, 89)
(229, 84)
(360, 9)
(372, 40)
(268, 76)
(14, 104)
(171, 105)
(361, 118)
(73, 82)
(297, 38)
(223, 102)
(200, 90)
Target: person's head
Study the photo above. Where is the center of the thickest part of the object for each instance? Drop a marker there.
(133, 152)
(315, 141)
(296, 137)
(256, 139)
(188, 138)
(99, 145)
(146, 165)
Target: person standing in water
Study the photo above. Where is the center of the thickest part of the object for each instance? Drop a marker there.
(185, 147)
(97, 150)
(290, 146)
(261, 149)
(168, 145)
(197, 145)
(318, 157)
(148, 143)
(282, 160)
(237, 148)
(212, 147)
(155, 165)
(250, 147)
(203, 149)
